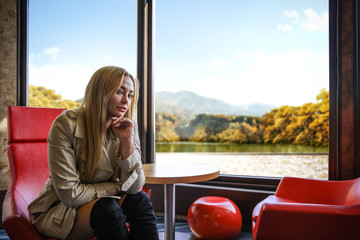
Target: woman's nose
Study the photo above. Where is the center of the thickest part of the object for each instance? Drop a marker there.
(124, 99)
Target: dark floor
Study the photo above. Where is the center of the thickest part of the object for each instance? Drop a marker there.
(180, 226)
(3, 235)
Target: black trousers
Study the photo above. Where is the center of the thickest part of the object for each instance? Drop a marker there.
(109, 220)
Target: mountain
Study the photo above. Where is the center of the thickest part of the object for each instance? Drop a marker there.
(190, 104)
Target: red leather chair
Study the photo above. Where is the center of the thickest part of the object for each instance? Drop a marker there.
(28, 129)
(309, 209)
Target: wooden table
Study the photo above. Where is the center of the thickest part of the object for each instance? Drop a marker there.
(169, 175)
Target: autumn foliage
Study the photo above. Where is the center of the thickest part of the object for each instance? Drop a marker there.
(307, 124)
(42, 97)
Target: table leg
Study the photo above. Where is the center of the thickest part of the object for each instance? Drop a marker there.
(169, 211)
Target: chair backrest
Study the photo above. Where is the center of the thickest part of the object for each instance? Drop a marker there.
(353, 197)
(28, 128)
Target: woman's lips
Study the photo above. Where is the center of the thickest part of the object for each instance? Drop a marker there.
(122, 109)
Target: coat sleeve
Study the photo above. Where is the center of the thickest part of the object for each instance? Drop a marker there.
(63, 170)
(132, 176)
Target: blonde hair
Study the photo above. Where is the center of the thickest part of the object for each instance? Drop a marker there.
(103, 84)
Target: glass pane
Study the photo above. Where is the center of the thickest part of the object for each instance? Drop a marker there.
(70, 40)
(243, 85)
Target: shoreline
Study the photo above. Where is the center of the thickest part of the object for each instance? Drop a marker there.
(303, 165)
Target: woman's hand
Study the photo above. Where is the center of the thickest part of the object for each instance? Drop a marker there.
(123, 129)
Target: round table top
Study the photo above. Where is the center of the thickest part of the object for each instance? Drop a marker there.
(163, 173)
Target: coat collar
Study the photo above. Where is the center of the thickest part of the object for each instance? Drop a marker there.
(78, 130)
(73, 114)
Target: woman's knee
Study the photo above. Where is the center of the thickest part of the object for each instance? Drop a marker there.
(137, 200)
(138, 206)
(106, 211)
(108, 220)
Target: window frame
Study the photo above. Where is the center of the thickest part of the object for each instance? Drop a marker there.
(22, 52)
(244, 190)
(145, 62)
(147, 103)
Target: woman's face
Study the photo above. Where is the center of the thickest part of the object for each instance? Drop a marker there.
(121, 101)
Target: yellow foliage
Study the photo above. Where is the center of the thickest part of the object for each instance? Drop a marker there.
(231, 136)
(307, 124)
(42, 97)
(199, 135)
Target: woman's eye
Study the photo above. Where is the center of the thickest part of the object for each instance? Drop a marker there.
(130, 96)
(119, 91)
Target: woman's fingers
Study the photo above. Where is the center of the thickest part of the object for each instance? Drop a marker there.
(121, 121)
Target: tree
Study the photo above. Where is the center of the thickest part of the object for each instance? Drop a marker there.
(307, 124)
(165, 125)
(42, 97)
(231, 136)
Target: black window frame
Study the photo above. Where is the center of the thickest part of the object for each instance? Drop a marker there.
(246, 190)
(145, 75)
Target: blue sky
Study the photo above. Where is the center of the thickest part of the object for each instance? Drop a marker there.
(238, 51)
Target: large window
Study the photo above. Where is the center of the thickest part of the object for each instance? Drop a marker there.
(69, 40)
(244, 85)
(239, 84)
(344, 130)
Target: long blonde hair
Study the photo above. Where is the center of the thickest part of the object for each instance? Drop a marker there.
(104, 83)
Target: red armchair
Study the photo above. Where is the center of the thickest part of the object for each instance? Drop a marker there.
(309, 209)
(28, 128)
(27, 151)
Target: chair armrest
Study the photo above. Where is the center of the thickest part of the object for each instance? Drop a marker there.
(270, 199)
(313, 191)
(14, 205)
(15, 221)
(17, 227)
(313, 209)
(307, 221)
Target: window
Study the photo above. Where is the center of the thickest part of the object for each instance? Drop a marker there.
(243, 85)
(247, 191)
(70, 40)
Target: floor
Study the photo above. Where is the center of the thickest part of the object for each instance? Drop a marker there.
(180, 226)
(3, 235)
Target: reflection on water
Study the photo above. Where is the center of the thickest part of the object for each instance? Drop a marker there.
(238, 148)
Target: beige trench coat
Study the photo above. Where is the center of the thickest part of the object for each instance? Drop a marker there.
(54, 211)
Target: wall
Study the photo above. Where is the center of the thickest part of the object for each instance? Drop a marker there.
(8, 69)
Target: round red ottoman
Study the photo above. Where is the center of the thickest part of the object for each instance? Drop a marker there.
(214, 218)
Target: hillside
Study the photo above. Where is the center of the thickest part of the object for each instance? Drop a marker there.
(188, 103)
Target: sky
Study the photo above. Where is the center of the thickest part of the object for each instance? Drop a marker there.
(238, 51)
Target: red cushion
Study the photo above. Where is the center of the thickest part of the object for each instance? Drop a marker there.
(353, 197)
(29, 169)
(30, 124)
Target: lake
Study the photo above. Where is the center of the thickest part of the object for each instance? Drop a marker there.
(238, 148)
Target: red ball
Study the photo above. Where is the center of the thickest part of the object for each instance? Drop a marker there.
(215, 218)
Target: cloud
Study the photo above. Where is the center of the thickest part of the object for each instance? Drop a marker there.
(52, 52)
(309, 20)
(292, 78)
(314, 22)
(218, 64)
(291, 14)
(242, 55)
(67, 80)
(284, 27)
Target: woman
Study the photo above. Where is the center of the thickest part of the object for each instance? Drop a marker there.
(95, 167)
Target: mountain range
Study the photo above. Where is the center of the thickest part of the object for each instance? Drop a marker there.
(190, 104)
